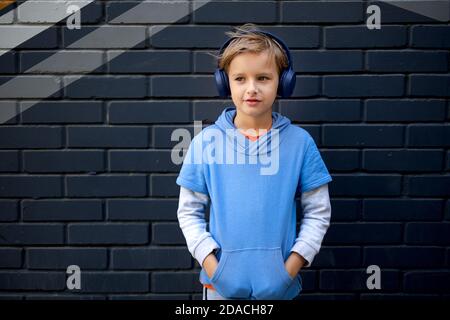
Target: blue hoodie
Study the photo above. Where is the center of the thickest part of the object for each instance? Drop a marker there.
(253, 207)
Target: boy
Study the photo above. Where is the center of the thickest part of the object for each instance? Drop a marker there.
(251, 250)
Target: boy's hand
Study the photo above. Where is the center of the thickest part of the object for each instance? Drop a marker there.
(210, 264)
(294, 264)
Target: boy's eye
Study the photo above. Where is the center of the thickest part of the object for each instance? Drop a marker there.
(260, 78)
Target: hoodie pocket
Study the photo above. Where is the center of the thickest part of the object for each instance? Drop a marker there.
(273, 280)
(228, 277)
(252, 274)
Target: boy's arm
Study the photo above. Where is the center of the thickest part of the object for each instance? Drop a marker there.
(191, 217)
(316, 220)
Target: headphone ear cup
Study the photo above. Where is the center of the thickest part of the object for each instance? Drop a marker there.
(287, 83)
(222, 84)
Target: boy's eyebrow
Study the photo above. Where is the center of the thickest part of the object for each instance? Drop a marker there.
(260, 74)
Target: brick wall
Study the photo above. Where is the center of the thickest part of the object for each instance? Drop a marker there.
(85, 171)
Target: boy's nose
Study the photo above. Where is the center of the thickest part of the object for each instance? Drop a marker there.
(252, 87)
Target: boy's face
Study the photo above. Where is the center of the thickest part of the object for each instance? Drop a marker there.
(253, 76)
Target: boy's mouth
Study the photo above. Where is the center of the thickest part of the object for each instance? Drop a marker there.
(252, 102)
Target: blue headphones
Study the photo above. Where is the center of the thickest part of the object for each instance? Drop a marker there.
(286, 83)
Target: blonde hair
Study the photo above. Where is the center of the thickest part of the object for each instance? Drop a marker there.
(246, 40)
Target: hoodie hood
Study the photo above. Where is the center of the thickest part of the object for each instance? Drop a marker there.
(264, 144)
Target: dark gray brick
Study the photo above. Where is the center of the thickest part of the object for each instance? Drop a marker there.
(404, 257)
(328, 61)
(407, 61)
(142, 161)
(29, 37)
(108, 233)
(321, 110)
(345, 210)
(187, 86)
(430, 36)
(151, 258)
(163, 61)
(431, 233)
(361, 37)
(61, 210)
(209, 110)
(397, 296)
(403, 161)
(8, 61)
(187, 36)
(25, 280)
(107, 186)
(405, 110)
(167, 233)
(30, 87)
(322, 12)
(50, 12)
(338, 257)
(11, 258)
(363, 86)
(9, 210)
(30, 186)
(366, 185)
(164, 185)
(428, 135)
(30, 137)
(234, 12)
(181, 282)
(104, 37)
(429, 186)
(325, 297)
(108, 137)
(64, 62)
(9, 113)
(427, 281)
(105, 86)
(142, 209)
(149, 112)
(402, 209)
(63, 161)
(113, 282)
(61, 258)
(363, 233)
(355, 280)
(427, 85)
(31, 234)
(9, 161)
(61, 112)
(147, 12)
(306, 86)
(341, 160)
(309, 280)
(363, 135)
(204, 62)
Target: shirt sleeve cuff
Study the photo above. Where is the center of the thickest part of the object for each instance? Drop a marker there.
(204, 248)
(306, 251)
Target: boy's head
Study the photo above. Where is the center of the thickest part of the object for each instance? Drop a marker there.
(253, 62)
